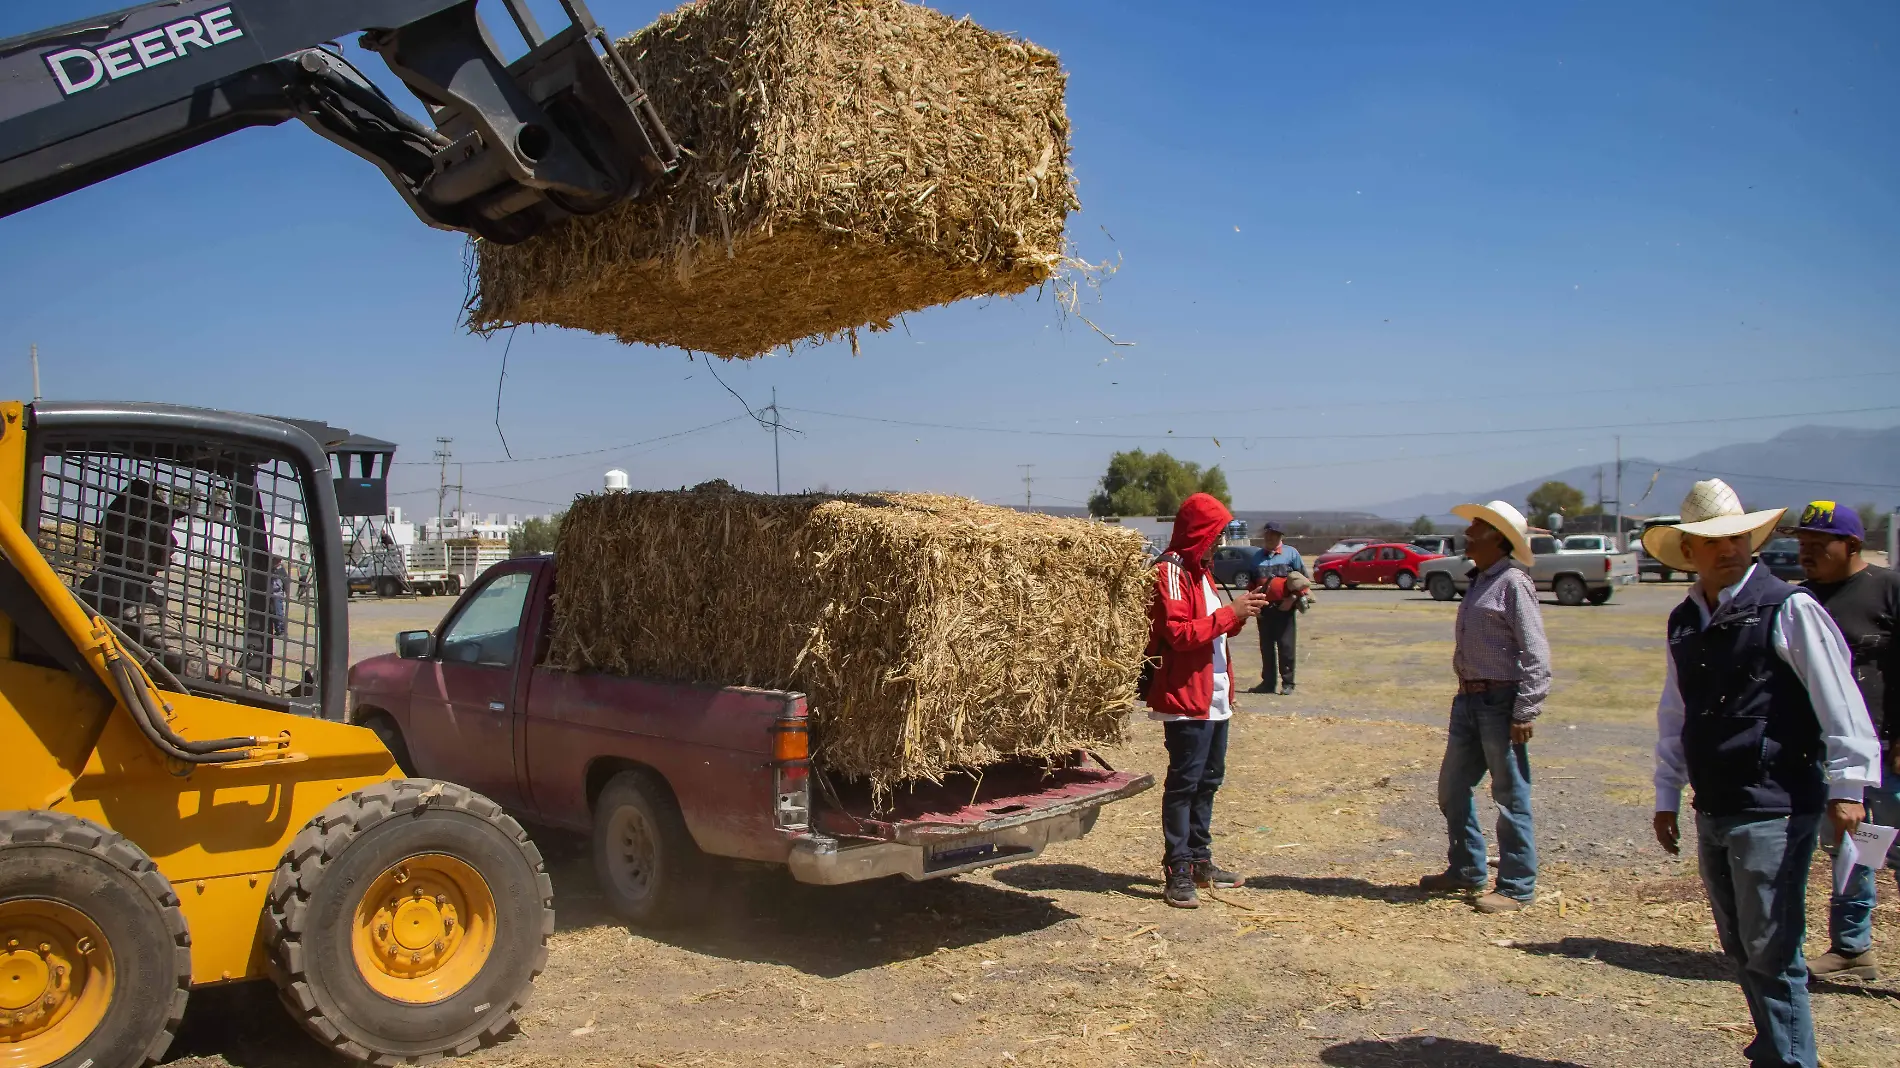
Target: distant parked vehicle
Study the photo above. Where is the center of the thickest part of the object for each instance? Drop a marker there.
(1343, 548)
(1393, 563)
(1442, 544)
(1782, 557)
(1591, 543)
(1236, 565)
(1645, 563)
(1574, 575)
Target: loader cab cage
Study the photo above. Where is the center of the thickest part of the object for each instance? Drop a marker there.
(191, 531)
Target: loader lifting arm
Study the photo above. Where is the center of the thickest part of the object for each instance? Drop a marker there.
(509, 149)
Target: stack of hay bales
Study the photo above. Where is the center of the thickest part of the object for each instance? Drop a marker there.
(929, 632)
(851, 160)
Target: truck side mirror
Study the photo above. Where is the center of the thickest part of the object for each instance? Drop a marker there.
(415, 644)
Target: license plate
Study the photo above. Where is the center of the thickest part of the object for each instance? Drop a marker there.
(959, 852)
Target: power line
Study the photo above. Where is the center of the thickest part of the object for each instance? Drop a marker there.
(585, 452)
(1384, 435)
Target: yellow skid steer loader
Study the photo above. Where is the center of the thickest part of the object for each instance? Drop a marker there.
(181, 802)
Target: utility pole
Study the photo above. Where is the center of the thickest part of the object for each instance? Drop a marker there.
(1619, 493)
(442, 454)
(459, 513)
(1599, 489)
(777, 483)
(34, 352)
(1029, 485)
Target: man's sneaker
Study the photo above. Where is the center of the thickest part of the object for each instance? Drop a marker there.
(1209, 874)
(1180, 892)
(1286, 689)
(1836, 965)
(1494, 902)
(1445, 882)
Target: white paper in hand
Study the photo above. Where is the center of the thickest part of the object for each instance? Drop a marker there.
(1867, 846)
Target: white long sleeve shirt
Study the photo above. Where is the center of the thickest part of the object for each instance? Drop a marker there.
(1807, 640)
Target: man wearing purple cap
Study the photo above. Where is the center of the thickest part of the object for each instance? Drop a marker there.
(1863, 601)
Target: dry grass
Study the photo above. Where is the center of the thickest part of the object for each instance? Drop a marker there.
(930, 632)
(851, 160)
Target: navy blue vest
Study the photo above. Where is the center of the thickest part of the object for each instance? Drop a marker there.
(1750, 736)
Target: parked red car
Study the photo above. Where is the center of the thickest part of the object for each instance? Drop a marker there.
(1342, 549)
(1394, 563)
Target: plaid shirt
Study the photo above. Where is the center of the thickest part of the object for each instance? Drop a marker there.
(1501, 637)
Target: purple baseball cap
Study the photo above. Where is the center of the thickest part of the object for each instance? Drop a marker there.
(1827, 517)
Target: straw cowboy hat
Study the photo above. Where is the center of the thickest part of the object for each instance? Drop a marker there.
(1711, 510)
(1509, 522)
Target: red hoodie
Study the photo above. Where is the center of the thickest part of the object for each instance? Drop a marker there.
(1182, 632)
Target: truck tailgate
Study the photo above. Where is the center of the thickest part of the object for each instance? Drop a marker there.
(964, 805)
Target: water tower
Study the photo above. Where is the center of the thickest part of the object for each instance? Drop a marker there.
(616, 481)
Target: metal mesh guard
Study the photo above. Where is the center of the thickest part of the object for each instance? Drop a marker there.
(198, 551)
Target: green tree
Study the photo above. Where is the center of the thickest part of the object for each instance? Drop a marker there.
(537, 535)
(1141, 483)
(1560, 497)
(1423, 525)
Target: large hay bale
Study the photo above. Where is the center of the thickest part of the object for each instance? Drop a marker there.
(852, 160)
(930, 632)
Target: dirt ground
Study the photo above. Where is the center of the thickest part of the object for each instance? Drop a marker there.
(1329, 956)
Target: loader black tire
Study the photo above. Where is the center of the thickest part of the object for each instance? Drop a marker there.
(57, 862)
(341, 857)
(649, 868)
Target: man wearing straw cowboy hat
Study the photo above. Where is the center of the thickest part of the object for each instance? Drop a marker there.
(1760, 714)
(1503, 665)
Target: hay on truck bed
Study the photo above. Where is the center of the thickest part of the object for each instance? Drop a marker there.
(930, 633)
(851, 160)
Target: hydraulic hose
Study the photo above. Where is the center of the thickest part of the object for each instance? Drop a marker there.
(151, 721)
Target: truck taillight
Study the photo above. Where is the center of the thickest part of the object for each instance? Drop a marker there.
(1606, 565)
(791, 770)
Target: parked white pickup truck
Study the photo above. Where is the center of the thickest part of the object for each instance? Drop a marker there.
(1576, 576)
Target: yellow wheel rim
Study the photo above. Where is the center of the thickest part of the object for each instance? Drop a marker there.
(424, 930)
(56, 980)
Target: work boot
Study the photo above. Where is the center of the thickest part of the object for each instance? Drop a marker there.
(1837, 965)
(1286, 689)
(1180, 893)
(1211, 875)
(1445, 882)
(1494, 903)
(1264, 687)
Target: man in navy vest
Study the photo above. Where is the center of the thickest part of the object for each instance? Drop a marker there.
(1761, 716)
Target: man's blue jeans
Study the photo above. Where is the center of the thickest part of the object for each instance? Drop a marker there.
(1756, 872)
(1480, 742)
(1850, 916)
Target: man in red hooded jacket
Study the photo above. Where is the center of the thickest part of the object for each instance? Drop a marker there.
(1191, 694)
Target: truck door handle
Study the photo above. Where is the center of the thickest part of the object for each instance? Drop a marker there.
(497, 706)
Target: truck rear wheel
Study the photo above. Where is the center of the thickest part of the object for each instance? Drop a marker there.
(387, 587)
(1441, 586)
(409, 920)
(648, 866)
(95, 960)
(1570, 590)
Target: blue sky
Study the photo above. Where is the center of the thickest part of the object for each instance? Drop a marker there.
(1349, 236)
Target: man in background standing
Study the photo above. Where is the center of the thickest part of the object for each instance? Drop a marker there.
(1278, 630)
(1502, 661)
(1863, 600)
(1191, 694)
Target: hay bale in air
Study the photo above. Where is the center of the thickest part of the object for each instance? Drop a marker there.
(852, 160)
(929, 632)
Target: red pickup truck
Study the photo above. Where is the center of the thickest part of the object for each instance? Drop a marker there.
(666, 774)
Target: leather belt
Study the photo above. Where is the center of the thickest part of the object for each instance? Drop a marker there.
(1483, 685)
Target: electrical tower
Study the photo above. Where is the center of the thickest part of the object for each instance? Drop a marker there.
(1029, 485)
(443, 453)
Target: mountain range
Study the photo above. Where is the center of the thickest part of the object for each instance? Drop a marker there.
(1806, 463)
